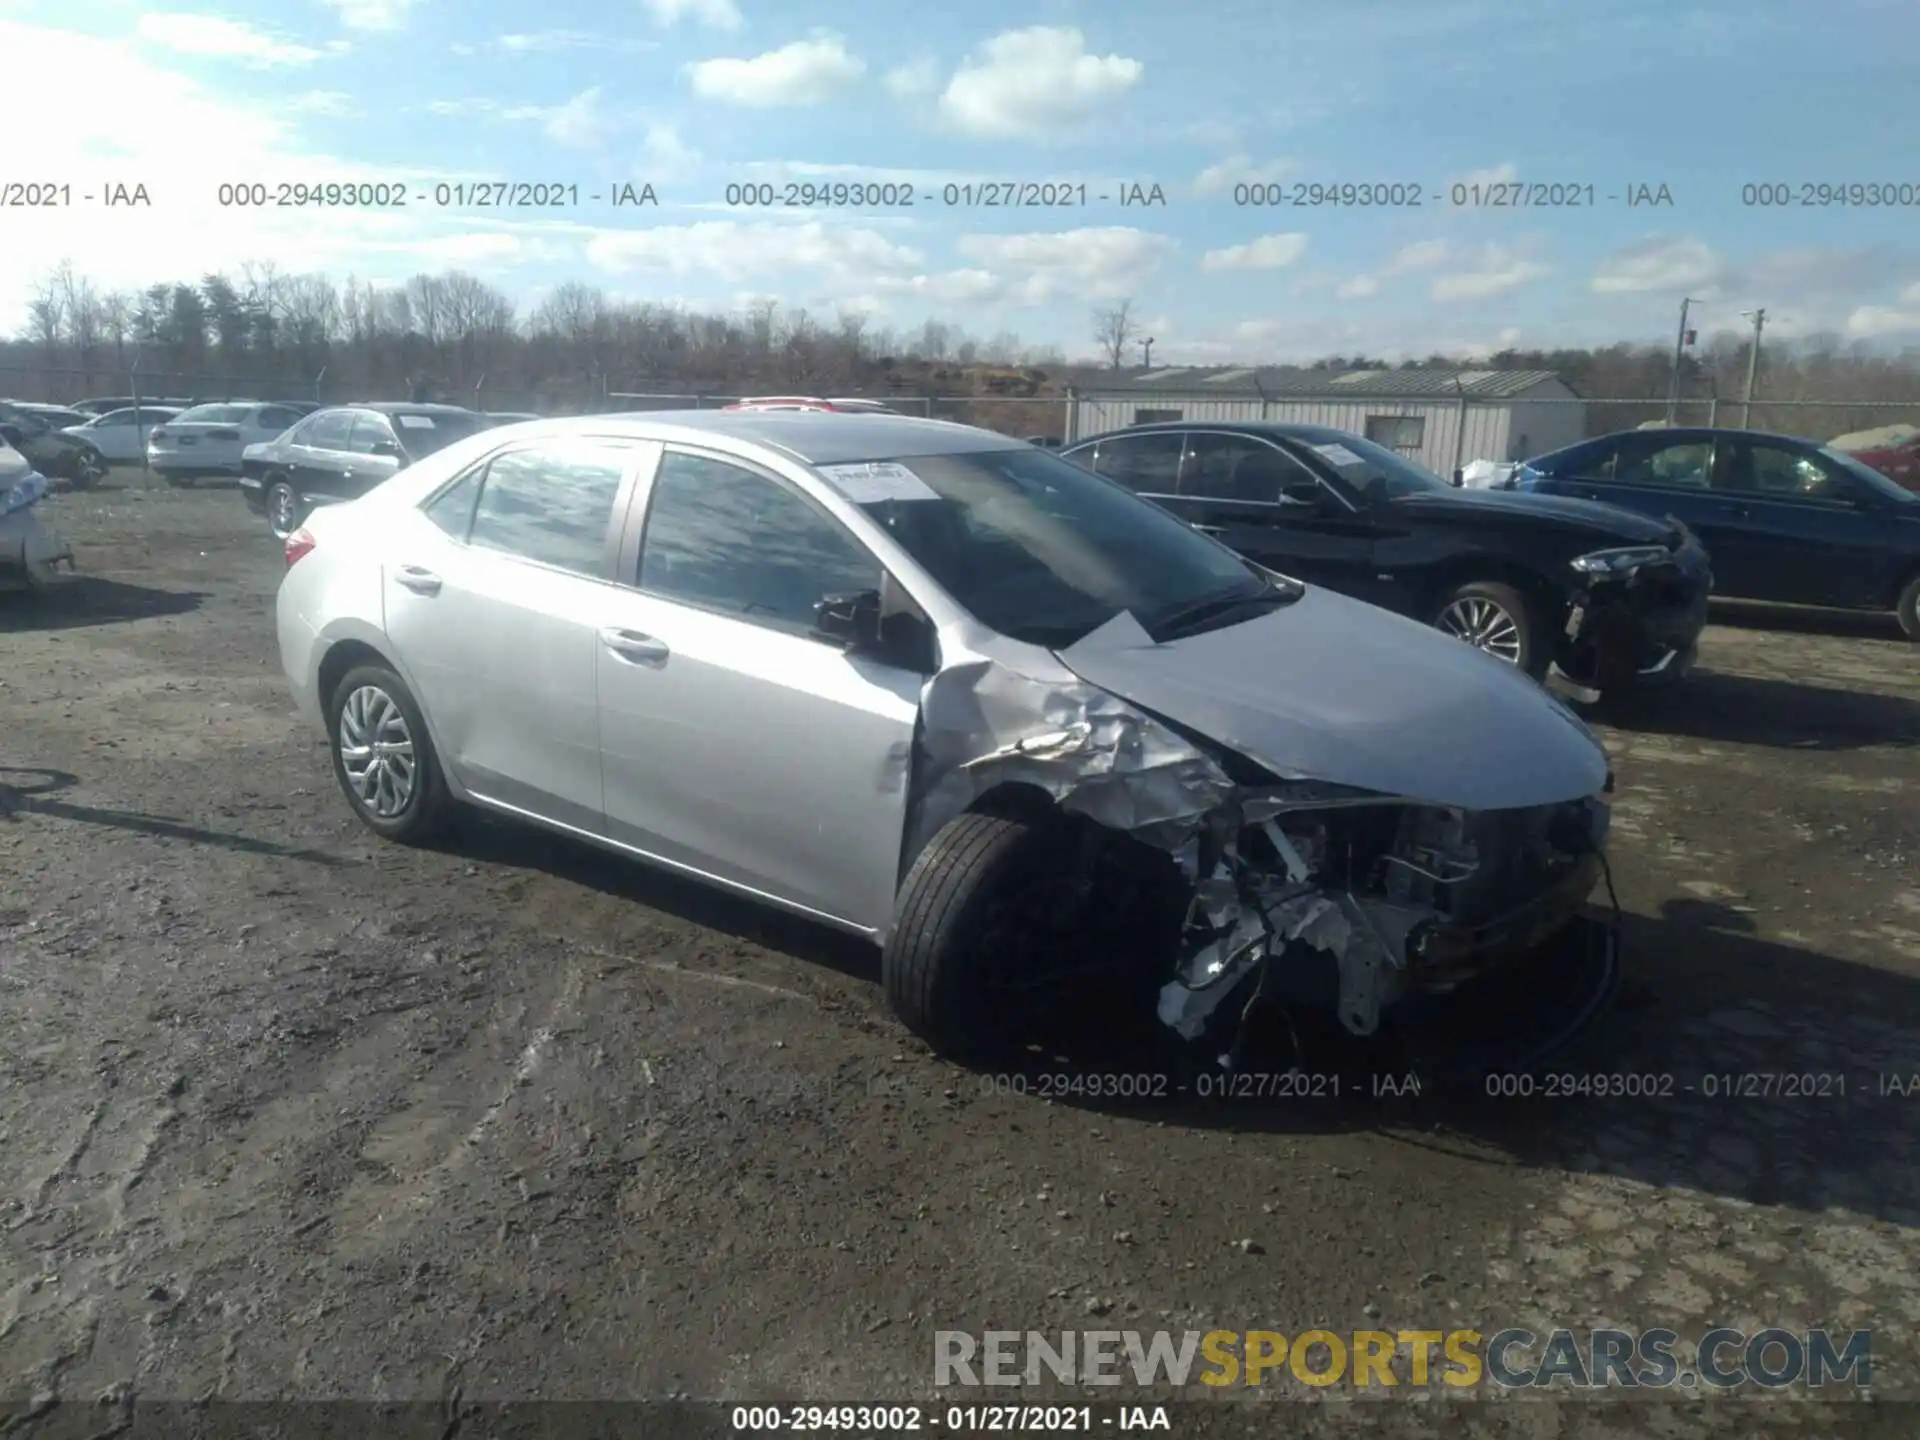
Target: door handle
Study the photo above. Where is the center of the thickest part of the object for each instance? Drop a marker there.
(633, 647)
(421, 582)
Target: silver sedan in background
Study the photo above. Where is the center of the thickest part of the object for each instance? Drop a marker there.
(945, 690)
(121, 435)
(206, 442)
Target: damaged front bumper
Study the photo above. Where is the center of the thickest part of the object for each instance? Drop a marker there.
(32, 557)
(1638, 628)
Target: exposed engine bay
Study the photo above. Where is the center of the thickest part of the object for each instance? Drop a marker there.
(1384, 899)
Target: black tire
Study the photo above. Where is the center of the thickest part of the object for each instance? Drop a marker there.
(1511, 629)
(285, 506)
(427, 804)
(88, 470)
(1908, 608)
(950, 933)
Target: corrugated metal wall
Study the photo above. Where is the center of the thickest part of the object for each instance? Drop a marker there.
(1440, 450)
(1538, 427)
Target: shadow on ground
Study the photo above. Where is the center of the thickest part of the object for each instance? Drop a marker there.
(1725, 1063)
(88, 600)
(30, 791)
(1749, 710)
(1808, 620)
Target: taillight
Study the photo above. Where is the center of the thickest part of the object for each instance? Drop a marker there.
(299, 545)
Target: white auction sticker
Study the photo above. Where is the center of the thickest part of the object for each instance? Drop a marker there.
(880, 480)
(415, 422)
(1338, 455)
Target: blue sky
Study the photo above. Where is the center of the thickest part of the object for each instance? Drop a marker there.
(695, 95)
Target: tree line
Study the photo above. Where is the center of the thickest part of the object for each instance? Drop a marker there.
(449, 334)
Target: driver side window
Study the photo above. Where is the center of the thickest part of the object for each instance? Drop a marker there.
(1791, 475)
(730, 540)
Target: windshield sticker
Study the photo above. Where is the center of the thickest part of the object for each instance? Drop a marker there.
(1338, 455)
(415, 422)
(882, 480)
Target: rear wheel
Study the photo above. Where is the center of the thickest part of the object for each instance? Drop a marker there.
(1495, 619)
(285, 508)
(1908, 609)
(89, 470)
(383, 758)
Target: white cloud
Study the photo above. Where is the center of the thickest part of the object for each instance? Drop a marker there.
(578, 124)
(222, 39)
(714, 14)
(915, 79)
(1911, 294)
(1220, 178)
(666, 155)
(1095, 263)
(1034, 83)
(954, 287)
(1871, 322)
(1659, 262)
(806, 72)
(1269, 252)
(1486, 179)
(539, 42)
(1358, 288)
(738, 252)
(1420, 255)
(322, 102)
(371, 14)
(1495, 270)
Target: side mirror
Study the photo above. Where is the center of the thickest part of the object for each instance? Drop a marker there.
(851, 621)
(1459, 477)
(388, 449)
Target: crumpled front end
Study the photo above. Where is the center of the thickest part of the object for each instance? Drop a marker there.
(1300, 890)
(1639, 624)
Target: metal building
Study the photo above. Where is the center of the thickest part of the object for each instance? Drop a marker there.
(1442, 418)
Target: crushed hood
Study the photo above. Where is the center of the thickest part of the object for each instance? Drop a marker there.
(1329, 688)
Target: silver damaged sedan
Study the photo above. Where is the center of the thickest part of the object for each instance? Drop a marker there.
(952, 693)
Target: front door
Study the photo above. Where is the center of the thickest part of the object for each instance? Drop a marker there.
(1789, 529)
(1262, 502)
(733, 741)
(322, 463)
(495, 594)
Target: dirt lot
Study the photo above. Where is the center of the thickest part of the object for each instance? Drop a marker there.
(285, 1112)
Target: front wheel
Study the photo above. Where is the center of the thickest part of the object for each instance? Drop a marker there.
(1495, 619)
(383, 758)
(285, 508)
(1908, 609)
(89, 470)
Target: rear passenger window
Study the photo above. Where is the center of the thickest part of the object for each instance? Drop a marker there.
(551, 504)
(1238, 467)
(452, 510)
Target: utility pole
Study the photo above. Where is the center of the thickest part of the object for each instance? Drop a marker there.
(1679, 345)
(1759, 318)
(1146, 353)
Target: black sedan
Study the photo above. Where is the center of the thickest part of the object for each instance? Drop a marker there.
(1787, 519)
(1611, 598)
(342, 452)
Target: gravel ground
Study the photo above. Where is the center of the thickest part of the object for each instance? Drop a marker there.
(289, 1113)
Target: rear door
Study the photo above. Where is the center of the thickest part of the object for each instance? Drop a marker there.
(375, 450)
(1790, 529)
(321, 462)
(495, 594)
(736, 742)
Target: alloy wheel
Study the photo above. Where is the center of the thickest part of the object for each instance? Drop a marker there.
(1484, 625)
(376, 752)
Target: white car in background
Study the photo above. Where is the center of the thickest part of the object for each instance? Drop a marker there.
(31, 556)
(208, 440)
(121, 435)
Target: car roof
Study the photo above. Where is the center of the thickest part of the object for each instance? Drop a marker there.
(813, 437)
(1704, 432)
(1282, 428)
(399, 407)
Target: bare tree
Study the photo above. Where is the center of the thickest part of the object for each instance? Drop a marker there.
(1115, 331)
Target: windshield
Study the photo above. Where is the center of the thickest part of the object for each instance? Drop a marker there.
(214, 415)
(1372, 469)
(421, 435)
(1046, 552)
(1869, 476)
